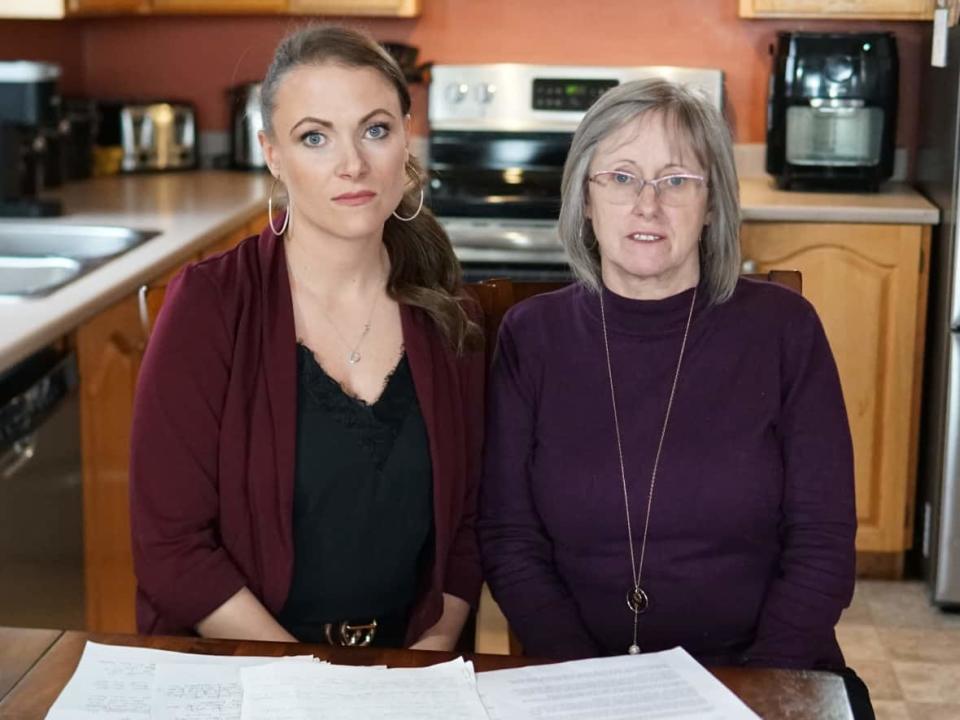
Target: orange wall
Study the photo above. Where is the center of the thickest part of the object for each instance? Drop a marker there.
(198, 58)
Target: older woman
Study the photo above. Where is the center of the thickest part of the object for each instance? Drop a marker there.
(668, 460)
(307, 434)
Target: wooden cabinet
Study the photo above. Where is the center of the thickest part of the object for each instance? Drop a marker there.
(110, 348)
(394, 8)
(229, 240)
(850, 9)
(106, 7)
(235, 7)
(869, 286)
(52, 9)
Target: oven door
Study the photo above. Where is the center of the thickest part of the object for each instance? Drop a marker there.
(497, 175)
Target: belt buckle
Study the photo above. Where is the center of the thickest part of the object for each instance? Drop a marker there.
(349, 634)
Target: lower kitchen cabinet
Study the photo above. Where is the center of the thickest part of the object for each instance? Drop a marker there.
(110, 348)
(230, 240)
(869, 286)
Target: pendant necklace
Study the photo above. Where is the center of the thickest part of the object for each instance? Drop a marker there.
(353, 351)
(637, 599)
(353, 354)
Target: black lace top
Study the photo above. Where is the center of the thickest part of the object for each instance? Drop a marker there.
(363, 505)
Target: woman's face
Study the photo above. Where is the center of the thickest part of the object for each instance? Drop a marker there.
(648, 249)
(339, 145)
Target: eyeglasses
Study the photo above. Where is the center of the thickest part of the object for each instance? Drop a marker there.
(622, 188)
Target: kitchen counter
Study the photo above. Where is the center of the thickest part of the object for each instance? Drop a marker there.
(192, 209)
(189, 209)
(895, 204)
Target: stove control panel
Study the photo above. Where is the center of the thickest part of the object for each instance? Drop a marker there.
(568, 93)
(518, 97)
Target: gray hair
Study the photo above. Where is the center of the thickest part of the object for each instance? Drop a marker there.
(709, 136)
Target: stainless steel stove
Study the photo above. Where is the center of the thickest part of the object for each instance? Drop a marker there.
(499, 136)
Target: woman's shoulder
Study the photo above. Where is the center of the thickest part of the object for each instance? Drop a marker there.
(223, 274)
(773, 300)
(545, 309)
(765, 309)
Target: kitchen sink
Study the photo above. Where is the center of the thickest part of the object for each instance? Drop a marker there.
(86, 243)
(22, 277)
(38, 257)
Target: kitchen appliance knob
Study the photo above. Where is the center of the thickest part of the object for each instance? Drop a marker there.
(485, 92)
(457, 92)
(839, 68)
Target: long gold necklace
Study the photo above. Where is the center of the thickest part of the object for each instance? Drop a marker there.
(637, 599)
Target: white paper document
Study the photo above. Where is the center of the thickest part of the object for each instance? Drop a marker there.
(668, 684)
(114, 682)
(447, 691)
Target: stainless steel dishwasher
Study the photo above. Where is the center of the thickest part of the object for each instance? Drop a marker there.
(41, 504)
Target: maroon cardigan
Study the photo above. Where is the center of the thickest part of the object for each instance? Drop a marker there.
(212, 466)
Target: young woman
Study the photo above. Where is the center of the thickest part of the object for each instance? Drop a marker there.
(308, 415)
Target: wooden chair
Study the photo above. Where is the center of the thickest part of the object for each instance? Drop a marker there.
(496, 296)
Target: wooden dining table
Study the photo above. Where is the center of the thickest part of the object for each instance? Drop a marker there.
(35, 665)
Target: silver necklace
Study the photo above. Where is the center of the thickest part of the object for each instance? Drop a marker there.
(637, 599)
(353, 354)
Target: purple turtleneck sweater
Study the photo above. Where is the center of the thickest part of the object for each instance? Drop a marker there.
(750, 548)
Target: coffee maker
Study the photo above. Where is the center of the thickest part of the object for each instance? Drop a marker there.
(29, 137)
(832, 110)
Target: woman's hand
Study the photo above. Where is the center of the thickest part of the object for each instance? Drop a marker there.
(446, 632)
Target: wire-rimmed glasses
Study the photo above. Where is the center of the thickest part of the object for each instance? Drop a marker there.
(619, 187)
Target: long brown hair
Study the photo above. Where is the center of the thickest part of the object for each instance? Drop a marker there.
(424, 271)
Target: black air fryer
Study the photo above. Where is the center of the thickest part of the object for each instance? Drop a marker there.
(832, 110)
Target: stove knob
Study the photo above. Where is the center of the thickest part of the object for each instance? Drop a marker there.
(485, 92)
(457, 92)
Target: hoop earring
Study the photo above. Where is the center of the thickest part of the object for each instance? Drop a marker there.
(286, 218)
(414, 216)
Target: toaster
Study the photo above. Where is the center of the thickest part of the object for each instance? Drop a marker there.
(157, 136)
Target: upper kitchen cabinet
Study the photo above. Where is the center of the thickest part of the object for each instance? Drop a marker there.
(235, 7)
(849, 9)
(52, 9)
(106, 7)
(394, 8)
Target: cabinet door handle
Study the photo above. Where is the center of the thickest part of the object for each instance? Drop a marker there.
(20, 454)
(748, 266)
(144, 310)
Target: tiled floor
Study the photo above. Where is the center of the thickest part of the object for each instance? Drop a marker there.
(907, 651)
